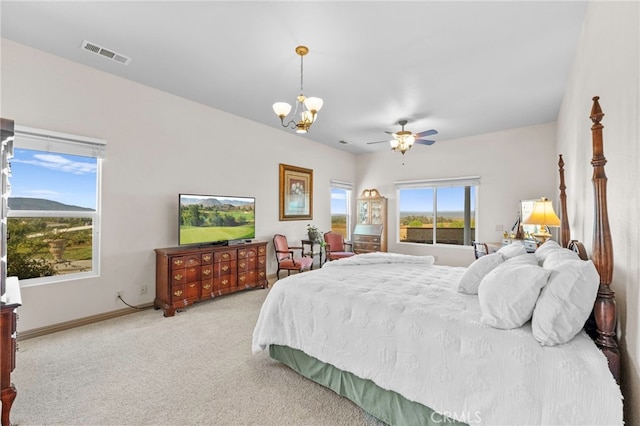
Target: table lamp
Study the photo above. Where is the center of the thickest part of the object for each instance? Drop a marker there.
(543, 215)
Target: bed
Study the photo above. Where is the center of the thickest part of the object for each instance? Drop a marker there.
(412, 342)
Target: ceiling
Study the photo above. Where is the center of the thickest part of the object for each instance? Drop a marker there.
(462, 68)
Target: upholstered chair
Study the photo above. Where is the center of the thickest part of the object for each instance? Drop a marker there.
(286, 259)
(336, 246)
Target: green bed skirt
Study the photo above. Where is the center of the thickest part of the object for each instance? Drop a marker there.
(387, 406)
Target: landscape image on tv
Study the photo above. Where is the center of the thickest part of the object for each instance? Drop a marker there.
(214, 219)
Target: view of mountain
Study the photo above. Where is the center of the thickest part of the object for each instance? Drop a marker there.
(214, 201)
(23, 203)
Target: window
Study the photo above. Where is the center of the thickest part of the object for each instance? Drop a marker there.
(340, 208)
(54, 206)
(437, 211)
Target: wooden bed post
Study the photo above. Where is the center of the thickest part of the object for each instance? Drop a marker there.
(564, 224)
(605, 304)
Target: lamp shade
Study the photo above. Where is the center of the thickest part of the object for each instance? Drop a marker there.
(281, 109)
(542, 214)
(313, 104)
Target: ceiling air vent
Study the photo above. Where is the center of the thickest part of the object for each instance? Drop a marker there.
(105, 53)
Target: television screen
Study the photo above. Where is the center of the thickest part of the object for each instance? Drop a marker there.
(211, 219)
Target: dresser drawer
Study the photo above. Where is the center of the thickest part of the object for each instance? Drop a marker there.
(178, 277)
(192, 260)
(223, 268)
(224, 256)
(193, 273)
(365, 247)
(207, 258)
(206, 272)
(366, 238)
(177, 262)
(178, 293)
(192, 290)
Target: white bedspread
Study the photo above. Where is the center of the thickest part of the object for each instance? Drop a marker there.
(399, 321)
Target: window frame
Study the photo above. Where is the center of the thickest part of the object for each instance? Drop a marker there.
(434, 184)
(64, 143)
(348, 187)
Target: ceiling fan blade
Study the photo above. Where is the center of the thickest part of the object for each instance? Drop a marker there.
(424, 142)
(426, 133)
(389, 133)
(371, 143)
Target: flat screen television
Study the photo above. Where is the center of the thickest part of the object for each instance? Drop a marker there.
(215, 219)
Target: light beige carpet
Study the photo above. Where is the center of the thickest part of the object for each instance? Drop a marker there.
(195, 368)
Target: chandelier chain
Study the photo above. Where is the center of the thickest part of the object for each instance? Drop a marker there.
(301, 73)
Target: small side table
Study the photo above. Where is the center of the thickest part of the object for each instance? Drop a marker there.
(311, 252)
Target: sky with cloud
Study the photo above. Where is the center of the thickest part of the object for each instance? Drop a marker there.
(67, 179)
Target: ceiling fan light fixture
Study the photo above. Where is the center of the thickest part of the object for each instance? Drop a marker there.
(307, 108)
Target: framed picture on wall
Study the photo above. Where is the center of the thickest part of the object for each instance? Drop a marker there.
(296, 193)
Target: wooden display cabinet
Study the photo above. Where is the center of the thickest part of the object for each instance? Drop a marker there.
(185, 275)
(370, 233)
(9, 303)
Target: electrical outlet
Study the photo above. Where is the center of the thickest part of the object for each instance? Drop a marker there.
(119, 294)
(499, 228)
(143, 289)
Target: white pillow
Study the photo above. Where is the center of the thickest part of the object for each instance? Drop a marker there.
(512, 250)
(508, 294)
(565, 303)
(523, 259)
(557, 258)
(470, 281)
(545, 249)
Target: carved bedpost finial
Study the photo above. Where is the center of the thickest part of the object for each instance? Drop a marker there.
(596, 112)
(605, 305)
(565, 235)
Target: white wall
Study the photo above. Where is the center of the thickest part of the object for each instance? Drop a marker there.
(158, 145)
(512, 165)
(607, 65)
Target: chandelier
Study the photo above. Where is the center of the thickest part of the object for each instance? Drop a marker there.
(306, 108)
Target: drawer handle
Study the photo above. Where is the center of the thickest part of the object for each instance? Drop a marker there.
(242, 253)
(206, 271)
(192, 285)
(242, 264)
(261, 250)
(206, 286)
(178, 293)
(177, 277)
(261, 262)
(226, 256)
(225, 268)
(261, 274)
(242, 279)
(206, 257)
(178, 262)
(225, 282)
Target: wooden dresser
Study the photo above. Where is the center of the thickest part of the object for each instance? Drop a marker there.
(8, 318)
(185, 275)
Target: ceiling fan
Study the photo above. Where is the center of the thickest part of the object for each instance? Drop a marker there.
(404, 139)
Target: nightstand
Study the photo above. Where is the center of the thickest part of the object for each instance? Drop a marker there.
(529, 245)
